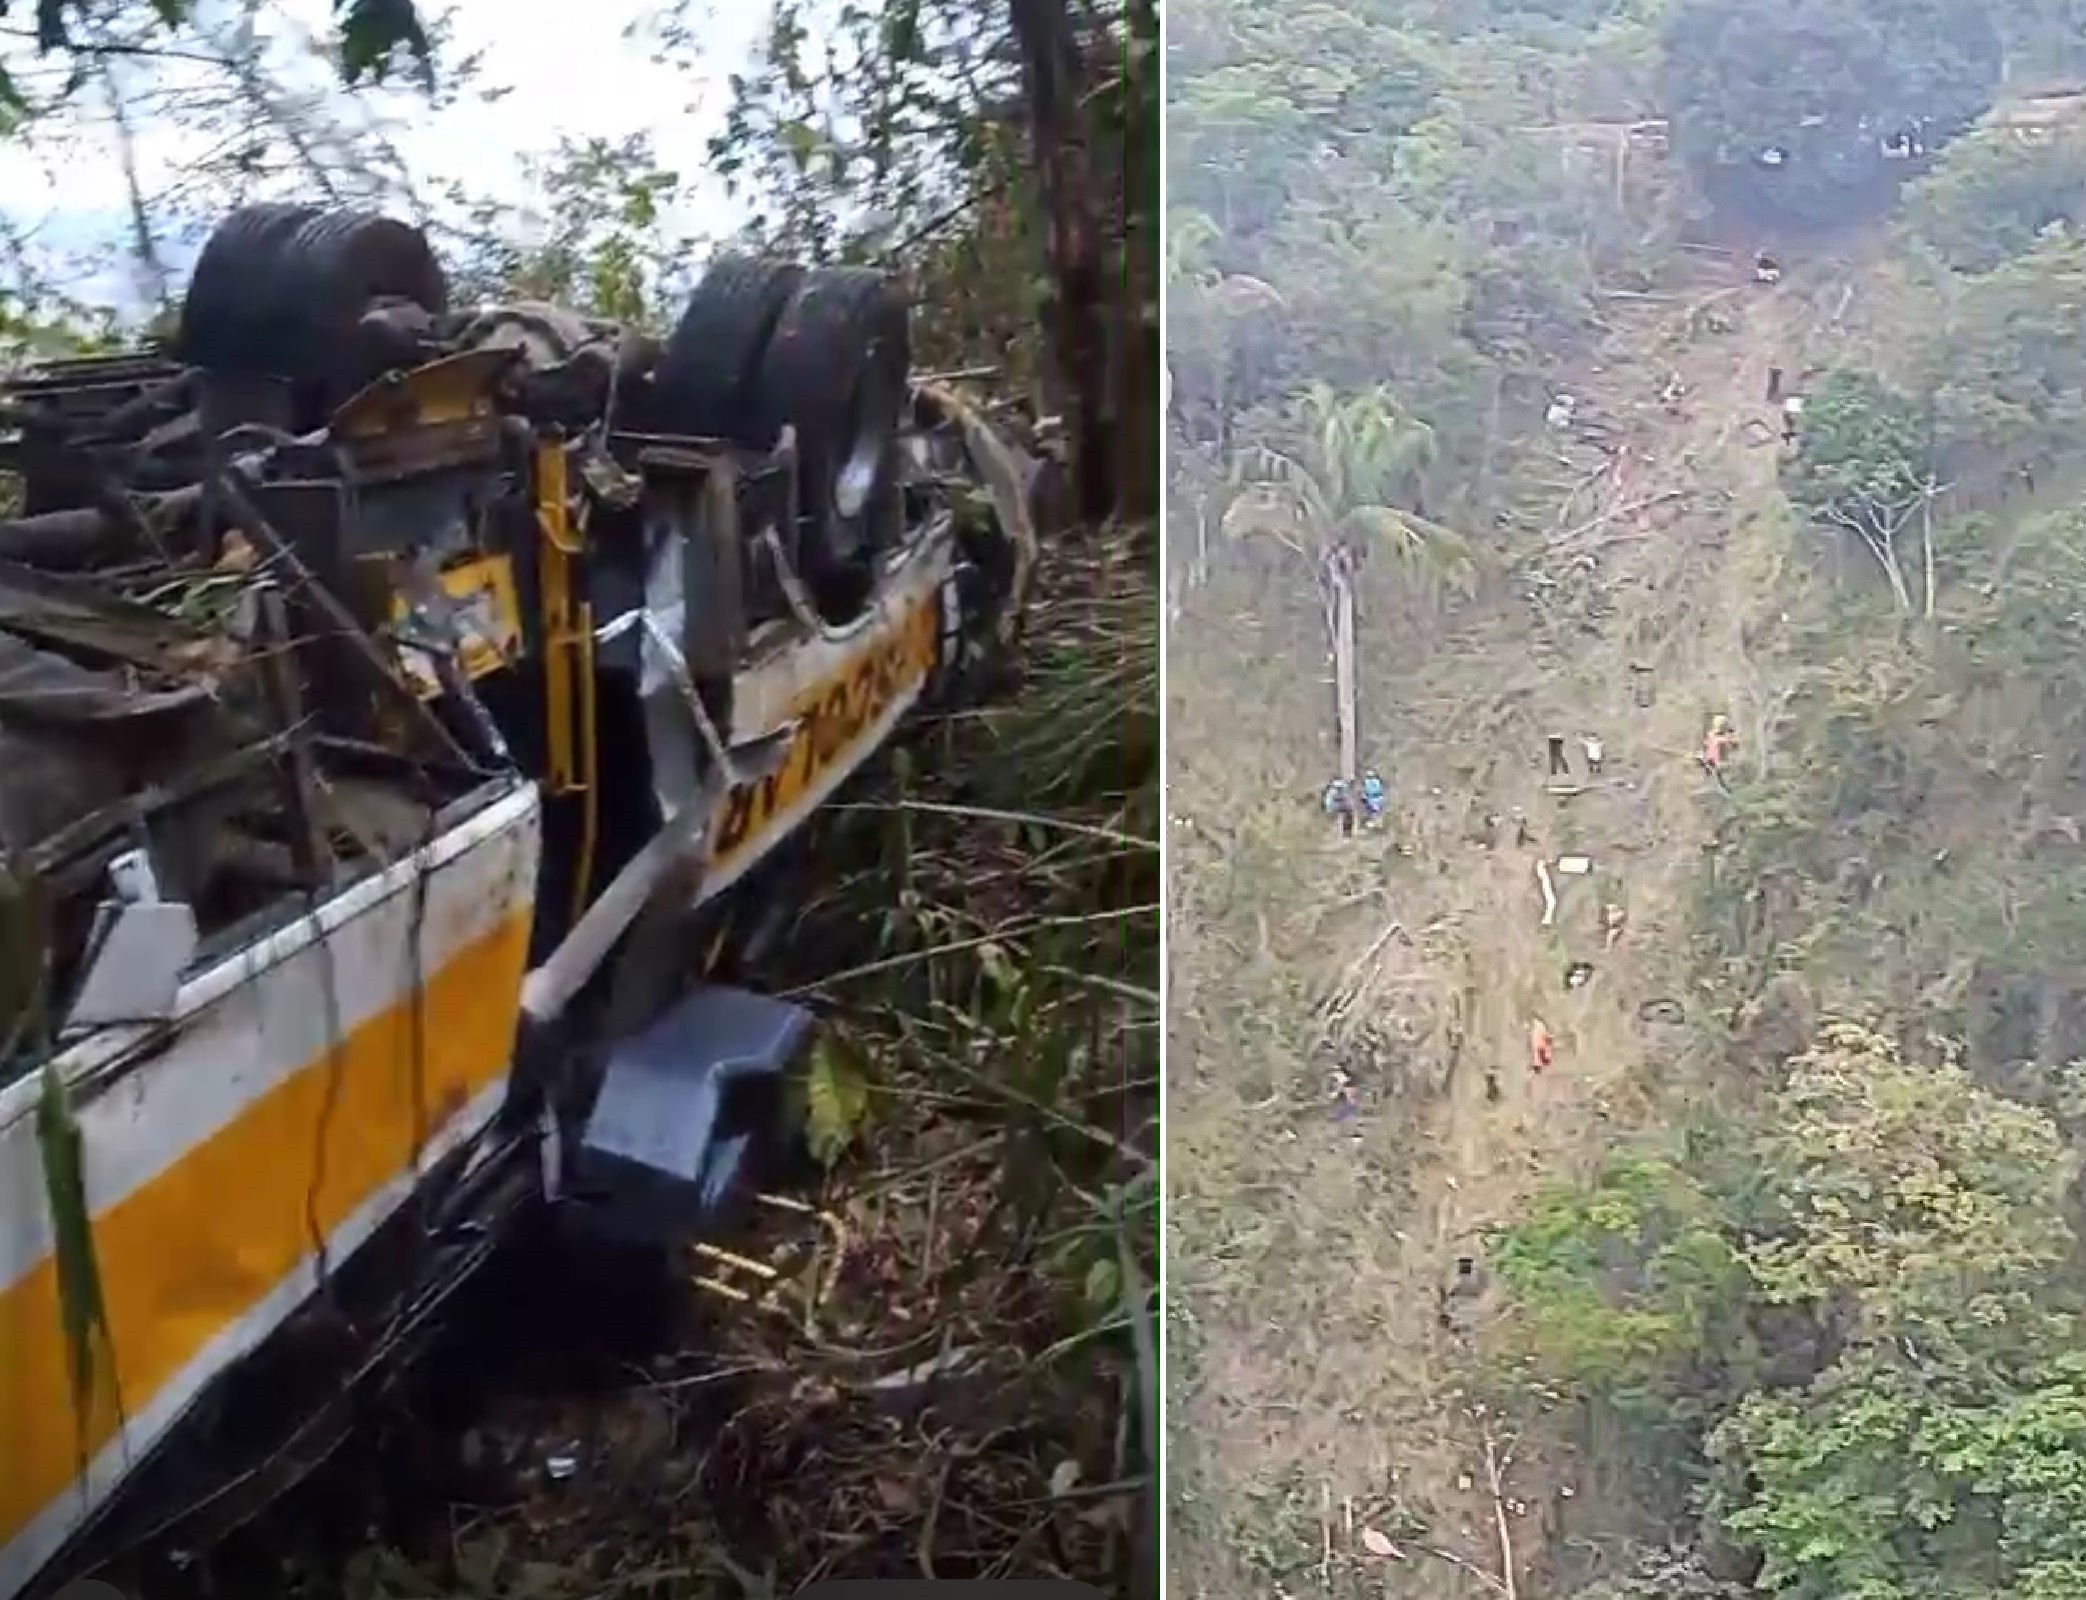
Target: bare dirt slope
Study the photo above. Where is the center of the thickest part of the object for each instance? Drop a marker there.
(1317, 1387)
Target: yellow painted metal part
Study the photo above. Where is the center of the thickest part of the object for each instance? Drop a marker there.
(187, 1255)
(454, 389)
(485, 587)
(572, 766)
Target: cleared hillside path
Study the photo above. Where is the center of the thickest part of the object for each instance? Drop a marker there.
(1335, 1397)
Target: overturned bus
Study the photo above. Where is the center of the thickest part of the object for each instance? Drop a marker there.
(386, 688)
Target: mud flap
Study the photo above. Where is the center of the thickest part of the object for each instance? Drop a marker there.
(686, 1108)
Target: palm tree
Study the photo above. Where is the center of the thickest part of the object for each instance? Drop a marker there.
(1334, 499)
(1354, 459)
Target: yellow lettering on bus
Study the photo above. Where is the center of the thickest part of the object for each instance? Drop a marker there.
(832, 719)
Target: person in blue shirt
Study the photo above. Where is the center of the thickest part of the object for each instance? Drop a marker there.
(1372, 795)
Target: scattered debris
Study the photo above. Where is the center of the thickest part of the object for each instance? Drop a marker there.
(1774, 385)
(1542, 1048)
(1613, 919)
(1792, 410)
(1766, 269)
(1496, 1464)
(1578, 974)
(1380, 1544)
(1561, 412)
(1662, 1010)
(1642, 685)
(1575, 866)
(1559, 766)
(1549, 894)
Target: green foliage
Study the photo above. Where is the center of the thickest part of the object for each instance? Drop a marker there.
(847, 137)
(1012, 894)
(1885, 1478)
(600, 243)
(1350, 460)
(1932, 1442)
(1922, 1221)
(1824, 84)
(1399, 200)
(1624, 1286)
(836, 1098)
(2004, 362)
(1862, 447)
(1667, 1574)
(81, 1306)
(1994, 192)
(1914, 1204)
(372, 34)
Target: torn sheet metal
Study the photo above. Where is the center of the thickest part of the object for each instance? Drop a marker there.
(1006, 482)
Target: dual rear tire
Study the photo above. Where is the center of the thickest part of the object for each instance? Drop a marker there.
(283, 291)
(280, 291)
(824, 351)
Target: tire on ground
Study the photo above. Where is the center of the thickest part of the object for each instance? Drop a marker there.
(279, 290)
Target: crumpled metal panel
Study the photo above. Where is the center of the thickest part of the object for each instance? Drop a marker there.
(667, 1143)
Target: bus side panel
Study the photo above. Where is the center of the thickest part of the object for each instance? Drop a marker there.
(278, 1125)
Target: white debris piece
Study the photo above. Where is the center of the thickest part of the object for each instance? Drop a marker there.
(1562, 409)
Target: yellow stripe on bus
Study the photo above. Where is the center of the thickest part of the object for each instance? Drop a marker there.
(194, 1249)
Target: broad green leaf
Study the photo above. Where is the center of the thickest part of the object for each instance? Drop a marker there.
(81, 1307)
(836, 1099)
(1103, 1285)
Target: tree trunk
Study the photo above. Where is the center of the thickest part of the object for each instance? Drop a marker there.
(1053, 81)
(1926, 545)
(1341, 611)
